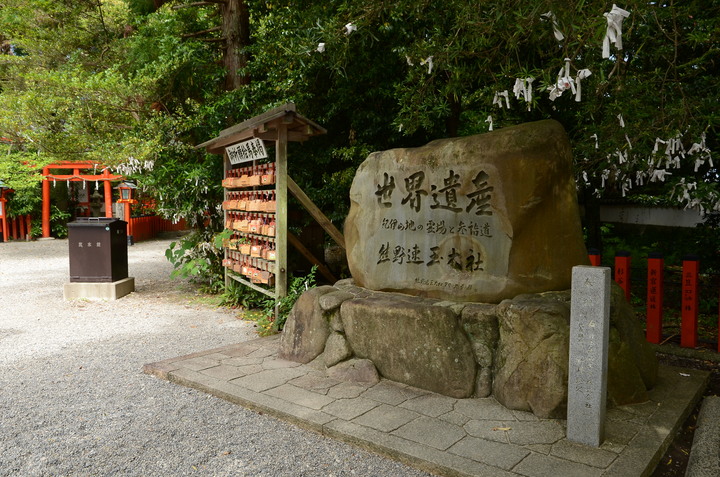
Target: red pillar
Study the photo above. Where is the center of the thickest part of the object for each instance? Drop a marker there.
(15, 232)
(594, 256)
(690, 302)
(622, 272)
(46, 204)
(21, 225)
(653, 325)
(108, 195)
(128, 219)
(3, 220)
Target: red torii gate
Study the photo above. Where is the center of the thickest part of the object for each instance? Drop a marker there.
(76, 176)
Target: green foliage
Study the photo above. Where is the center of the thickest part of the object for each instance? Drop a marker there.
(197, 258)
(271, 322)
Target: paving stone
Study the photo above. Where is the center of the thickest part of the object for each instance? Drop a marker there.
(525, 416)
(274, 363)
(347, 390)
(543, 449)
(489, 430)
(620, 432)
(640, 452)
(241, 361)
(432, 404)
(300, 396)
(349, 409)
(432, 432)
(226, 373)
(197, 364)
(543, 432)
(318, 384)
(242, 349)
(268, 379)
(505, 456)
(391, 393)
(250, 369)
(263, 352)
(455, 417)
(616, 414)
(421, 456)
(536, 465)
(595, 457)
(485, 408)
(386, 418)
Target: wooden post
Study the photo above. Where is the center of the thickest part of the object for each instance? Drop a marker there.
(46, 204)
(3, 220)
(281, 185)
(28, 222)
(594, 256)
(653, 325)
(622, 272)
(226, 255)
(690, 302)
(108, 195)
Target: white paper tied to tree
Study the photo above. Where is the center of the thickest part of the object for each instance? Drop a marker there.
(429, 62)
(499, 95)
(321, 47)
(349, 28)
(614, 29)
(550, 16)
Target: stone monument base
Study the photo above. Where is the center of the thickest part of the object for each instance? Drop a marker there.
(99, 290)
(516, 351)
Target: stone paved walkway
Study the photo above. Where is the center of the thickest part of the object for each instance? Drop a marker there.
(439, 434)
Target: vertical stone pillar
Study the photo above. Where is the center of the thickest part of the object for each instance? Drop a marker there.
(589, 332)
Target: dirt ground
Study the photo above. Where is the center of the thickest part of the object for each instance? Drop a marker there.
(675, 460)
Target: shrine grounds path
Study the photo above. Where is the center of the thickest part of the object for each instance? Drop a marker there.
(75, 402)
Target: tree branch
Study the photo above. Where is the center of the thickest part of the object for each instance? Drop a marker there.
(200, 33)
(199, 4)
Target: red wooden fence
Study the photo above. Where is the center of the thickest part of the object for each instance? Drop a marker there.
(149, 226)
(689, 298)
(18, 228)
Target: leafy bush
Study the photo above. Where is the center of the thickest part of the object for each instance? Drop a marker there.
(198, 258)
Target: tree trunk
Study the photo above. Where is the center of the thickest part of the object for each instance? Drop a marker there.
(452, 123)
(236, 30)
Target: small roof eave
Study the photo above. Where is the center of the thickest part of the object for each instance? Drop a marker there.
(264, 126)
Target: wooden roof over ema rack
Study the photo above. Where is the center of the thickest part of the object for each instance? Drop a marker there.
(265, 126)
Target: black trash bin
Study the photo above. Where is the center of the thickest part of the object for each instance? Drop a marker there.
(98, 249)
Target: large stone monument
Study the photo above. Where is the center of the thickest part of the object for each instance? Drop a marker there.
(461, 254)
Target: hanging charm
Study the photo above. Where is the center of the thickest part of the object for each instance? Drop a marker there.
(614, 29)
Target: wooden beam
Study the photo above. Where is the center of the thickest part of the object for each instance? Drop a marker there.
(325, 271)
(317, 214)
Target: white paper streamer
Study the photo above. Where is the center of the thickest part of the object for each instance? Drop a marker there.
(523, 88)
(614, 29)
(581, 75)
(489, 120)
(628, 141)
(622, 122)
(550, 16)
(409, 61)
(595, 136)
(428, 61)
(349, 28)
(499, 95)
(321, 47)
(659, 175)
(564, 82)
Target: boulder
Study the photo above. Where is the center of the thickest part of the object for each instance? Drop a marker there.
(411, 342)
(336, 350)
(306, 329)
(477, 219)
(531, 362)
(355, 371)
(480, 323)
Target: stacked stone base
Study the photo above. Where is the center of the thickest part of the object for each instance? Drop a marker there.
(516, 351)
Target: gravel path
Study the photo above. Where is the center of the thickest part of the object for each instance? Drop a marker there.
(74, 401)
